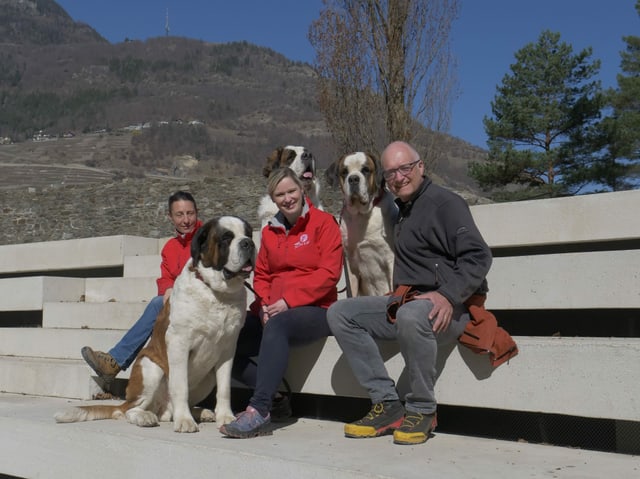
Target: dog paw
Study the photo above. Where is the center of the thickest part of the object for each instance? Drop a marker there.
(166, 416)
(224, 417)
(142, 418)
(185, 424)
(207, 415)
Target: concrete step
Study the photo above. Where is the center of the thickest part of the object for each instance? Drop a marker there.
(123, 290)
(30, 293)
(33, 445)
(542, 377)
(92, 315)
(82, 253)
(467, 378)
(576, 219)
(54, 343)
(565, 281)
(142, 266)
(64, 378)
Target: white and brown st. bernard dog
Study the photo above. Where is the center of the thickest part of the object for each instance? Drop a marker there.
(194, 339)
(302, 162)
(367, 220)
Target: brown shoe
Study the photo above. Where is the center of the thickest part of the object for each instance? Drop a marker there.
(102, 363)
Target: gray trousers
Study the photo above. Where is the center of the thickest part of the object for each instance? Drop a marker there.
(356, 322)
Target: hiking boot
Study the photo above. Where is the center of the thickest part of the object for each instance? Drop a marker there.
(415, 428)
(249, 423)
(383, 418)
(280, 409)
(102, 363)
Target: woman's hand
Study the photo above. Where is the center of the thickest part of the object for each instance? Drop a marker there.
(273, 309)
(166, 295)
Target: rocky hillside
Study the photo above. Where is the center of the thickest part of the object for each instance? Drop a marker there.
(86, 124)
(41, 22)
(58, 77)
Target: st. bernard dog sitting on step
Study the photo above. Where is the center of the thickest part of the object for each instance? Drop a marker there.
(194, 338)
(367, 220)
(302, 162)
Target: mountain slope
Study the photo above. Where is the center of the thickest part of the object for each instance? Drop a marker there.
(41, 22)
(168, 106)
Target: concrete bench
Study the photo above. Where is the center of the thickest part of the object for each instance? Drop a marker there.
(562, 266)
(70, 255)
(565, 283)
(30, 293)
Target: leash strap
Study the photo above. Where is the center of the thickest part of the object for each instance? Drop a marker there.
(345, 264)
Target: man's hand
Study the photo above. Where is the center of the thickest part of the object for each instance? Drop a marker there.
(442, 310)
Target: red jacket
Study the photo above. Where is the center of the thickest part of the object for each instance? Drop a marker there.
(303, 265)
(175, 255)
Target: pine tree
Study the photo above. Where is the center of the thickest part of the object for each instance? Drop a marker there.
(550, 95)
(617, 167)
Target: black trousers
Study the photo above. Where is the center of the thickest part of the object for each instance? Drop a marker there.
(271, 345)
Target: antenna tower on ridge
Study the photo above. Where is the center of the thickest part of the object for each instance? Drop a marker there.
(166, 25)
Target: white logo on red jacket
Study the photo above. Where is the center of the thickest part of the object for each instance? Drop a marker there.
(302, 241)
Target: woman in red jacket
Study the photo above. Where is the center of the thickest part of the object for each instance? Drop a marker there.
(183, 213)
(298, 267)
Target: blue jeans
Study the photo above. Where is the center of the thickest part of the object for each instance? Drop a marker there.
(356, 322)
(132, 342)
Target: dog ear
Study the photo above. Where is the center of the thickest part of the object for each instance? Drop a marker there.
(248, 230)
(331, 174)
(272, 159)
(199, 242)
(378, 168)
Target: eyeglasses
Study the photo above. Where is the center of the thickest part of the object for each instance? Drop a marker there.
(404, 170)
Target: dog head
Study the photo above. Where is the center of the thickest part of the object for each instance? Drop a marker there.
(223, 249)
(359, 176)
(298, 158)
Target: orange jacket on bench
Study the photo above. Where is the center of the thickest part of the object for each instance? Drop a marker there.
(483, 335)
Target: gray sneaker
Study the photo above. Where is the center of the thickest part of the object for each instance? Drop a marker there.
(249, 423)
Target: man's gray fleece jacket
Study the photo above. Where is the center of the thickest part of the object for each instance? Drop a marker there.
(438, 245)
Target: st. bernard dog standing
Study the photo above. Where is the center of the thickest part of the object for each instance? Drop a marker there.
(194, 338)
(302, 162)
(367, 220)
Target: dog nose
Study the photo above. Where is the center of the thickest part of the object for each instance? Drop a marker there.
(354, 180)
(306, 155)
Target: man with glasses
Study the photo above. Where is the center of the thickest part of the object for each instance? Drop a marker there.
(441, 260)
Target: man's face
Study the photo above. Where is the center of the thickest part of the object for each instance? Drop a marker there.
(402, 172)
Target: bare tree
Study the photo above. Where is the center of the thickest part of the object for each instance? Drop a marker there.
(385, 69)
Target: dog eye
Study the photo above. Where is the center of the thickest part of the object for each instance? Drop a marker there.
(344, 172)
(227, 238)
(365, 170)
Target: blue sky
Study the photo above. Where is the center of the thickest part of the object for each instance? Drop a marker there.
(485, 37)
